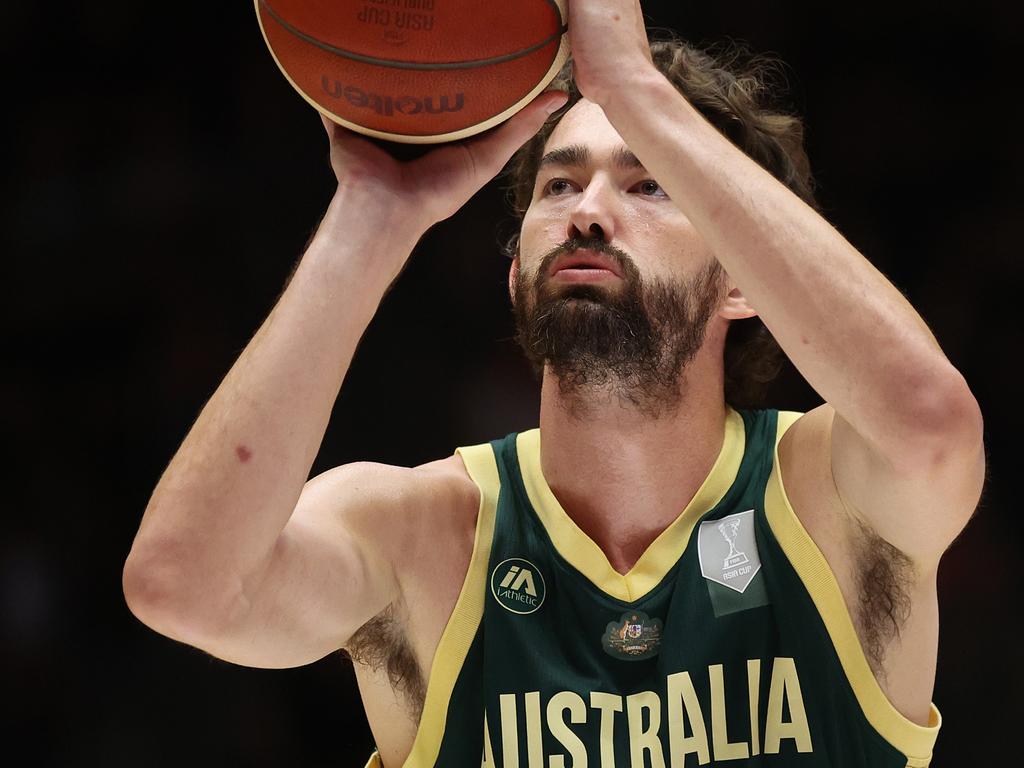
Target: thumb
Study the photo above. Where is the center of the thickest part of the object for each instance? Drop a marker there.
(551, 101)
(491, 150)
(537, 111)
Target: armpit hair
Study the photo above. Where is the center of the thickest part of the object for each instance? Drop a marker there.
(381, 643)
(884, 576)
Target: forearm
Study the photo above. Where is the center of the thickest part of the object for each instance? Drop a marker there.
(846, 328)
(220, 505)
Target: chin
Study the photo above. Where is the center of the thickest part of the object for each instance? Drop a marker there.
(592, 293)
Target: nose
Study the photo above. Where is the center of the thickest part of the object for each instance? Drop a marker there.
(593, 215)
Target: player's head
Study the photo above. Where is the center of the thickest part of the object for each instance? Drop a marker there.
(673, 296)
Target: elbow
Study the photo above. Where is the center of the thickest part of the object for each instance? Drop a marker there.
(151, 585)
(174, 599)
(147, 597)
(947, 429)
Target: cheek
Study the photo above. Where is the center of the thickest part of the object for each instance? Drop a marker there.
(678, 248)
(541, 231)
(538, 240)
(528, 231)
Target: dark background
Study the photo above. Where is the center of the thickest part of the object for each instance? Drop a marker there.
(161, 179)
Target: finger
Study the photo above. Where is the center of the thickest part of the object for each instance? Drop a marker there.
(342, 137)
(492, 150)
(328, 124)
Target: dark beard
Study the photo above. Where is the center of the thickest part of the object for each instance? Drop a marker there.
(632, 341)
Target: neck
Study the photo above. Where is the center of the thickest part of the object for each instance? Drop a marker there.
(624, 476)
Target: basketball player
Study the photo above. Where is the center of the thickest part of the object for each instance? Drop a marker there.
(656, 576)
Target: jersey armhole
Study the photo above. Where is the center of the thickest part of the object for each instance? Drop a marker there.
(465, 620)
(914, 741)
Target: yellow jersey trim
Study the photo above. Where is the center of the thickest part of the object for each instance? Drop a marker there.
(374, 761)
(465, 619)
(914, 741)
(587, 557)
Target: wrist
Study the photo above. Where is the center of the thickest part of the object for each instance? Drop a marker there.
(376, 212)
(366, 234)
(634, 86)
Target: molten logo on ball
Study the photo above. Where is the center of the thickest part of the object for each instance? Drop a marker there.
(386, 105)
(417, 71)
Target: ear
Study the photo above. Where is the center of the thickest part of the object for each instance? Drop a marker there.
(513, 277)
(735, 306)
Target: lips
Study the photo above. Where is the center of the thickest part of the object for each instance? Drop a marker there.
(584, 259)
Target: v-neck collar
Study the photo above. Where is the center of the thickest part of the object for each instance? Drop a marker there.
(587, 557)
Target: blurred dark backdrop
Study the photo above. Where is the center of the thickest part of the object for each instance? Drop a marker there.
(161, 179)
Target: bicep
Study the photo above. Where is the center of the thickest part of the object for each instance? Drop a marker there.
(328, 574)
(918, 507)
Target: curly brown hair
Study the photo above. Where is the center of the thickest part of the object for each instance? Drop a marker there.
(738, 93)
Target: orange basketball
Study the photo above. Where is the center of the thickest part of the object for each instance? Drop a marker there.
(417, 71)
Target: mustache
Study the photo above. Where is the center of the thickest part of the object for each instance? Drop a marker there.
(621, 259)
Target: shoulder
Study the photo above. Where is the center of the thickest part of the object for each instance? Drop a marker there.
(805, 472)
(397, 508)
(428, 542)
(450, 495)
(876, 579)
(803, 454)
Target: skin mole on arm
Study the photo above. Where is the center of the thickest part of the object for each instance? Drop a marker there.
(243, 453)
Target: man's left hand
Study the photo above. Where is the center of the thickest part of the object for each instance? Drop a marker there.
(609, 46)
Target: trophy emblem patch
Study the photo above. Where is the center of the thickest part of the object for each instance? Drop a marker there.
(728, 550)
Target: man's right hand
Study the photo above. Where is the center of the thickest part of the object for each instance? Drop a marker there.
(436, 185)
(238, 552)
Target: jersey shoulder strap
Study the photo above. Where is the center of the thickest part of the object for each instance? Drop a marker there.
(913, 740)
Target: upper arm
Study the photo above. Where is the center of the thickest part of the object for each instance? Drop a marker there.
(332, 568)
(918, 504)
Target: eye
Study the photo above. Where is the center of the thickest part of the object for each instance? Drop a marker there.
(647, 184)
(553, 186)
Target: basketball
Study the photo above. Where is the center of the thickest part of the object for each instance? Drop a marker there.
(416, 71)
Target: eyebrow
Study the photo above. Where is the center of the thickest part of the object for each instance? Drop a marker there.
(579, 156)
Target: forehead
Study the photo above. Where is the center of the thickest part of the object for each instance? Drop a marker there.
(585, 125)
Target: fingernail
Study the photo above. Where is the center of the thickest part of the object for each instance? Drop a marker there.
(555, 104)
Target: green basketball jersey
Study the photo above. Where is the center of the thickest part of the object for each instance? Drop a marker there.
(727, 643)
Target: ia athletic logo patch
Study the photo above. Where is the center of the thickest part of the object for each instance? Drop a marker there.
(518, 585)
(728, 550)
